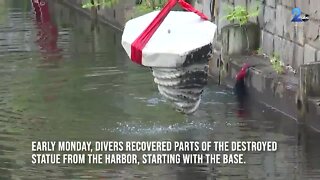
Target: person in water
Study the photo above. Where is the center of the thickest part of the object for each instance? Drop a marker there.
(240, 89)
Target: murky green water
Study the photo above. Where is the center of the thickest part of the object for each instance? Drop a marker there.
(84, 87)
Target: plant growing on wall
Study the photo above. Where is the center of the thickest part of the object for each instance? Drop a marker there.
(96, 3)
(277, 64)
(151, 5)
(259, 51)
(143, 5)
(241, 15)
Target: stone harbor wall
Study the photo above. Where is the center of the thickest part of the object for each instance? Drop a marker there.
(116, 16)
(296, 43)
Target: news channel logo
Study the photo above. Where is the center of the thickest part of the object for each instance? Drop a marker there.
(296, 12)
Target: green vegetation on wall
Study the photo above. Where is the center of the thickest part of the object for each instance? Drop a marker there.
(143, 5)
(151, 5)
(277, 64)
(96, 3)
(241, 15)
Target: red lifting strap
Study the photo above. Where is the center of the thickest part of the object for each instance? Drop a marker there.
(145, 36)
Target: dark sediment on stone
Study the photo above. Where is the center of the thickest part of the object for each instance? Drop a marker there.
(198, 56)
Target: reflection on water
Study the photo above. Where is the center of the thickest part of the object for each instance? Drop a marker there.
(47, 36)
(93, 92)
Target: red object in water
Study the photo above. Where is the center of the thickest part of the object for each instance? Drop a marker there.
(241, 90)
(243, 72)
(142, 40)
(241, 113)
(48, 32)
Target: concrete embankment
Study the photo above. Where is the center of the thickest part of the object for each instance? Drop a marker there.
(295, 94)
